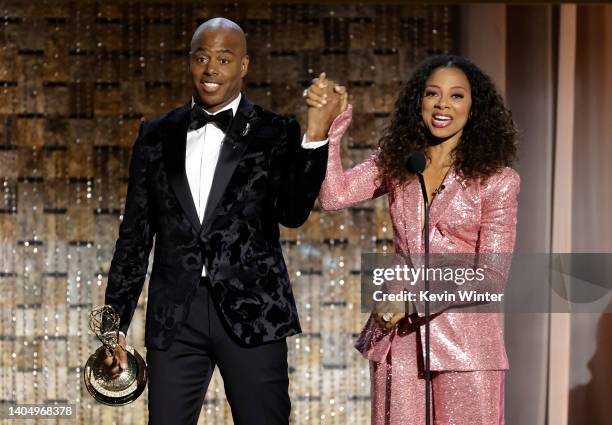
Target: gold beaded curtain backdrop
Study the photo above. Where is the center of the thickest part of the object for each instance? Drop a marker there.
(76, 79)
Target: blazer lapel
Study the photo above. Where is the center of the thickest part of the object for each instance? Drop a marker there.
(232, 149)
(173, 152)
(452, 185)
(414, 202)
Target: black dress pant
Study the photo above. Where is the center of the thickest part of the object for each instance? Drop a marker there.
(256, 379)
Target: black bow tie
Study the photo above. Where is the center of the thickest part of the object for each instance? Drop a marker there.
(199, 119)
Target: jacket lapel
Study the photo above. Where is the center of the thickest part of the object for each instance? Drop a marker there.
(414, 200)
(452, 185)
(174, 150)
(232, 149)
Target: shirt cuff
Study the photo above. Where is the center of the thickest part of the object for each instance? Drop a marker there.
(314, 144)
(121, 333)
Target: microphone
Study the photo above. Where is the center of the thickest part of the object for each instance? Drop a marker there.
(415, 163)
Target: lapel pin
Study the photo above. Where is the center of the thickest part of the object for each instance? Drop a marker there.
(246, 130)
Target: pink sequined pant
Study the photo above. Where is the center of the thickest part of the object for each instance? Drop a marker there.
(458, 398)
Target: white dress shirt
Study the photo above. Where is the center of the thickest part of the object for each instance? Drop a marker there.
(202, 153)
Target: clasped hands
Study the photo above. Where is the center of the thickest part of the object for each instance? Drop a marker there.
(326, 100)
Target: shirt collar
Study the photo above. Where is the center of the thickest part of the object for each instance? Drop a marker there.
(233, 105)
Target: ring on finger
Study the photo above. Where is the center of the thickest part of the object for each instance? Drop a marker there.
(387, 316)
(305, 93)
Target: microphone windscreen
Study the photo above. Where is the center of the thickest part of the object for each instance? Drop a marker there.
(416, 162)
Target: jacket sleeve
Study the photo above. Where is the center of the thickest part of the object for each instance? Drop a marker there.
(344, 188)
(131, 257)
(303, 171)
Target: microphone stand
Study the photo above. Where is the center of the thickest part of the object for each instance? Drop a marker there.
(416, 164)
(427, 349)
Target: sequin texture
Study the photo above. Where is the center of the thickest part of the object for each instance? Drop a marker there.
(468, 356)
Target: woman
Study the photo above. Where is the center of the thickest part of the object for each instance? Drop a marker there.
(450, 110)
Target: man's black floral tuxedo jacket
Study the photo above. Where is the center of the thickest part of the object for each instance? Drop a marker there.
(263, 178)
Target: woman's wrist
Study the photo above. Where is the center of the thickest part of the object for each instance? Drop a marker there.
(340, 125)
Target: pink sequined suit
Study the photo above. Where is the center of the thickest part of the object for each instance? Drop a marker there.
(468, 358)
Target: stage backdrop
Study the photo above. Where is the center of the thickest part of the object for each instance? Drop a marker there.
(77, 78)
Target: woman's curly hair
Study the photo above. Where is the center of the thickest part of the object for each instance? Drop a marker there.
(488, 141)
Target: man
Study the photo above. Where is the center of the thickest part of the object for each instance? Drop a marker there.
(212, 180)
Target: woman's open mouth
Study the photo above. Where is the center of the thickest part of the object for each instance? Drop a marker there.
(441, 120)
